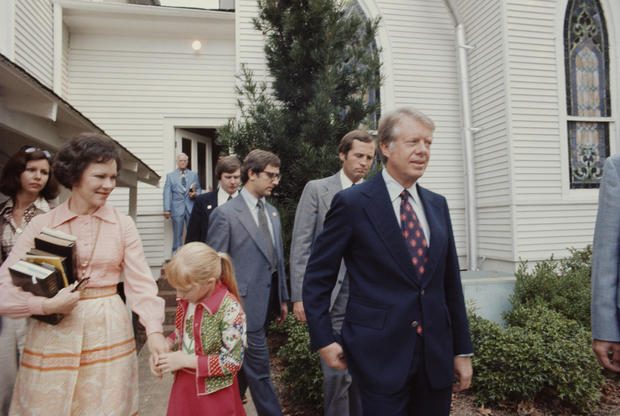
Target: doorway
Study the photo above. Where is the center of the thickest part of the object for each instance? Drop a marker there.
(197, 144)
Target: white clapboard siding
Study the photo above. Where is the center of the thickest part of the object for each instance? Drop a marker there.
(34, 38)
(546, 221)
(249, 41)
(424, 72)
(484, 31)
(129, 89)
(65, 62)
(548, 229)
(533, 82)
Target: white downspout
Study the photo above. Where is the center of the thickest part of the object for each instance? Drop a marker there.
(468, 140)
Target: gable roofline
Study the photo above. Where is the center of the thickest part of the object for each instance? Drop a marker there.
(22, 93)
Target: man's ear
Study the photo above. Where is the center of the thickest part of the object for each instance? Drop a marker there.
(384, 149)
(342, 157)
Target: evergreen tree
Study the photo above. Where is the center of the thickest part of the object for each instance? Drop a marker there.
(324, 66)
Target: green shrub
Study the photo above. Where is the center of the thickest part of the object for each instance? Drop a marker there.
(539, 351)
(302, 370)
(545, 347)
(504, 361)
(563, 286)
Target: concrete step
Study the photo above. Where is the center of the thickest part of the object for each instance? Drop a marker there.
(170, 296)
(170, 314)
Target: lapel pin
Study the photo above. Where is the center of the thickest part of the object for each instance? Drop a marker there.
(208, 206)
(274, 214)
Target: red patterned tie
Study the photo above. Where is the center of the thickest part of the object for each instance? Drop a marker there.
(414, 238)
(413, 234)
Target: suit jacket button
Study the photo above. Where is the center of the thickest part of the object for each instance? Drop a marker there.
(414, 324)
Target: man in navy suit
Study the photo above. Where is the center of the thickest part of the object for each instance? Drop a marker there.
(405, 336)
(180, 189)
(228, 174)
(248, 228)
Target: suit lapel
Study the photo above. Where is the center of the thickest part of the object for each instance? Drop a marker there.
(332, 187)
(247, 221)
(381, 215)
(432, 210)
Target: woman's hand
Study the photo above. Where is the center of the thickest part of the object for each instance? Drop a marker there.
(157, 344)
(174, 361)
(63, 302)
(153, 364)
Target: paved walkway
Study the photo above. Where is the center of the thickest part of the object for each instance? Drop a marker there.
(154, 392)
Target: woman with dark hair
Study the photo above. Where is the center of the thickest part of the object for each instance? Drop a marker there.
(26, 179)
(87, 363)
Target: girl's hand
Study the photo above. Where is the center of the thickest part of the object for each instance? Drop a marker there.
(153, 364)
(63, 302)
(174, 361)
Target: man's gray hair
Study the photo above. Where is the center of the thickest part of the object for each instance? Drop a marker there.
(388, 125)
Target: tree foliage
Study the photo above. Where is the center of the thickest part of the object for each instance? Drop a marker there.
(324, 65)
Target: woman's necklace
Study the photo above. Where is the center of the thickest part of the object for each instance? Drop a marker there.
(84, 265)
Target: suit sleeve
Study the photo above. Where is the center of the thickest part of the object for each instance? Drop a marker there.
(195, 224)
(303, 237)
(167, 193)
(198, 188)
(454, 296)
(605, 251)
(322, 271)
(218, 236)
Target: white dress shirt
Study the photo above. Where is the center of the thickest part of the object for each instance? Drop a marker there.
(222, 196)
(346, 182)
(394, 190)
(252, 202)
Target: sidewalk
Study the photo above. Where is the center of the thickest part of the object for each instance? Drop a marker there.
(154, 392)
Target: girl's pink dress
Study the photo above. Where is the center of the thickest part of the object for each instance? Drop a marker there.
(184, 401)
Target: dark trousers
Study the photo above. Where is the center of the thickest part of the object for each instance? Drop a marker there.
(256, 374)
(416, 398)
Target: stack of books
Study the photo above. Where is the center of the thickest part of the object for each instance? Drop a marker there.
(47, 268)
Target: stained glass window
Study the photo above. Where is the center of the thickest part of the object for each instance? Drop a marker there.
(586, 57)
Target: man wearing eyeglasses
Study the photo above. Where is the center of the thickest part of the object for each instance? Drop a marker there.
(248, 228)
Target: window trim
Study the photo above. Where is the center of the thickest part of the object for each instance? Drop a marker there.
(612, 15)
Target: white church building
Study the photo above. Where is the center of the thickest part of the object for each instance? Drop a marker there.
(524, 93)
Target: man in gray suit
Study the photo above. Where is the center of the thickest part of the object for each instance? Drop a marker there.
(605, 270)
(356, 151)
(248, 229)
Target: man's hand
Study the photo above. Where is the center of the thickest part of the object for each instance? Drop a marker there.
(299, 311)
(283, 312)
(463, 372)
(333, 355)
(607, 354)
(167, 215)
(192, 194)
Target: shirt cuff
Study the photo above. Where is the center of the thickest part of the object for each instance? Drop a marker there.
(153, 326)
(35, 305)
(465, 355)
